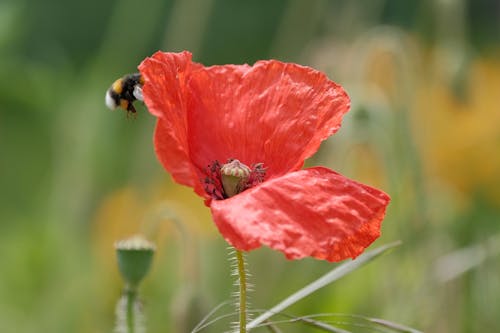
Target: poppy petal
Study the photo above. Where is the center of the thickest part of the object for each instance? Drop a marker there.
(272, 112)
(313, 212)
(165, 76)
(164, 94)
(174, 157)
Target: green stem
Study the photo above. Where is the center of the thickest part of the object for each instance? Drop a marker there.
(243, 291)
(130, 310)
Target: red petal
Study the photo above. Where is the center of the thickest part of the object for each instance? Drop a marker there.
(174, 157)
(164, 94)
(273, 112)
(313, 212)
(165, 77)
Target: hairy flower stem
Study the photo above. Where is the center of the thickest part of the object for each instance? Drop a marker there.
(131, 294)
(243, 291)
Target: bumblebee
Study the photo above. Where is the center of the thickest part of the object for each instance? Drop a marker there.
(124, 92)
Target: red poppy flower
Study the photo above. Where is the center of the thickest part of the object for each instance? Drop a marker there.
(267, 118)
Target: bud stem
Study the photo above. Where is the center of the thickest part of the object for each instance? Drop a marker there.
(131, 294)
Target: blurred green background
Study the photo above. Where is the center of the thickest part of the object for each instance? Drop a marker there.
(424, 78)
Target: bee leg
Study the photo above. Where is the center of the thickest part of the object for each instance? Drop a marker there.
(131, 110)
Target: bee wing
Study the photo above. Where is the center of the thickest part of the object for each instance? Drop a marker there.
(138, 93)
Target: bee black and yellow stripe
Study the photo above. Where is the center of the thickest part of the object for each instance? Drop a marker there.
(123, 92)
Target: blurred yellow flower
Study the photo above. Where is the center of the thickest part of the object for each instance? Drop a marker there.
(459, 136)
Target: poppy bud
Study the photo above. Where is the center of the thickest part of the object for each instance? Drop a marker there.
(234, 176)
(134, 259)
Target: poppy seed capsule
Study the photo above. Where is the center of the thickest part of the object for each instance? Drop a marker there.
(134, 259)
(234, 176)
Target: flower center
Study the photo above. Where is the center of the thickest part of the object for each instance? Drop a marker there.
(227, 180)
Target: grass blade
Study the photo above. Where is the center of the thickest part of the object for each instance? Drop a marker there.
(394, 326)
(323, 326)
(323, 281)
